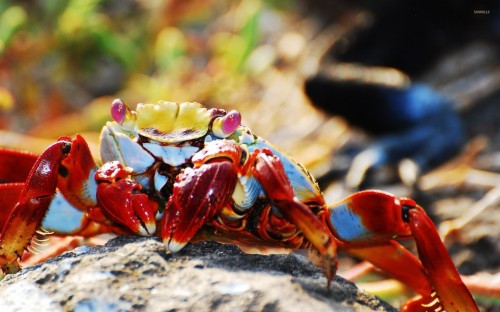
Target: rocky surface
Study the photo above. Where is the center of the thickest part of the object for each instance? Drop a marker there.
(136, 274)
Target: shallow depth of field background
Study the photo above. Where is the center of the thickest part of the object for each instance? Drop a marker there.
(63, 62)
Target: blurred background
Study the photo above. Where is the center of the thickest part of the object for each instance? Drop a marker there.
(400, 96)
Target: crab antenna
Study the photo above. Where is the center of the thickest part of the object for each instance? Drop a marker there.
(121, 113)
(225, 126)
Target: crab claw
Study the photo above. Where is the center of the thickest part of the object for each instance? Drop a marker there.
(198, 196)
(32, 204)
(123, 202)
(200, 192)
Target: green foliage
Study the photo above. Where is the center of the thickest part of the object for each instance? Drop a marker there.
(59, 55)
(11, 19)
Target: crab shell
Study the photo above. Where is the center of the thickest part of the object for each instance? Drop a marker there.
(169, 122)
(172, 133)
(169, 135)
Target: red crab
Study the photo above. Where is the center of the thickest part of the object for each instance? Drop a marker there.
(187, 173)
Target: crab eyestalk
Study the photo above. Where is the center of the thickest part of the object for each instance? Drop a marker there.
(122, 114)
(226, 125)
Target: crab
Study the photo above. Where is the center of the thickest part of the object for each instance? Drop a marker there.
(187, 173)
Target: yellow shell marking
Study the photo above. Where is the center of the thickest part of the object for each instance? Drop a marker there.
(170, 122)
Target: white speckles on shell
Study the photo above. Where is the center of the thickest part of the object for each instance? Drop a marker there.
(171, 155)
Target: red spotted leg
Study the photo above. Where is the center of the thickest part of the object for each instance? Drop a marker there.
(270, 173)
(31, 206)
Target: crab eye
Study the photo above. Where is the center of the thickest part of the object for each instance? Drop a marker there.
(121, 113)
(231, 121)
(225, 126)
(118, 111)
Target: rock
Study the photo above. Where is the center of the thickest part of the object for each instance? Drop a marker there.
(137, 274)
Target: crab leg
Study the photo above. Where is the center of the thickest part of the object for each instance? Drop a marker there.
(270, 173)
(15, 166)
(33, 202)
(441, 271)
(396, 260)
(9, 195)
(369, 222)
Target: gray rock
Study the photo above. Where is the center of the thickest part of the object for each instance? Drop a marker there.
(137, 274)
